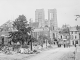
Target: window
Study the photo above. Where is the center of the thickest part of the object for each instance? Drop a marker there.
(75, 37)
(76, 42)
(71, 36)
(72, 32)
(53, 27)
(79, 35)
(75, 32)
(66, 37)
(51, 16)
(61, 36)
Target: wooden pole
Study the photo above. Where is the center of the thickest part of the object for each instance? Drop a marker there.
(31, 34)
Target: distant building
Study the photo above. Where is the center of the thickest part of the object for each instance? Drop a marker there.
(62, 35)
(46, 23)
(40, 17)
(74, 36)
(34, 25)
(52, 17)
(37, 32)
(48, 26)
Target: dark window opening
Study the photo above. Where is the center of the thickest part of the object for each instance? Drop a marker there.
(76, 42)
(61, 37)
(72, 32)
(75, 37)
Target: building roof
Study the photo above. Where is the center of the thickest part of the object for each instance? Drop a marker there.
(73, 29)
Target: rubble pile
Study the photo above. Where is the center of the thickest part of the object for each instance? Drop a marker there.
(27, 51)
(7, 50)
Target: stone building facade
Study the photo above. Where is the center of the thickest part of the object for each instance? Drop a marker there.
(74, 36)
(52, 17)
(49, 26)
(40, 17)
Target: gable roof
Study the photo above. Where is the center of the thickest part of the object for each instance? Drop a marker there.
(73, 29)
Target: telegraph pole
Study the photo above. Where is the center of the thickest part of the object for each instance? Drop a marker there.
(31, 34)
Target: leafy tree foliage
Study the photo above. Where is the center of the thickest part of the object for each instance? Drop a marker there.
(21, 35)
(42, 39)
(6, 26)
(32, 39)
(20, 23)
(65, 29)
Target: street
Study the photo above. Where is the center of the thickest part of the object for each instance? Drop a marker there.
(53, 54)
(48, 54)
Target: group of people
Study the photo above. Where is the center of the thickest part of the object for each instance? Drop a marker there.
(65, 44)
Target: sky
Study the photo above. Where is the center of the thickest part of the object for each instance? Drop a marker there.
(66, 10)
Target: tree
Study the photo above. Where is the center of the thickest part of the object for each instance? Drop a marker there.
(15, 36)
(41, 40)
(44, 39)
(21, 35)
(65, 28)
(33, 40)
(20, 23)
(6, 26)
